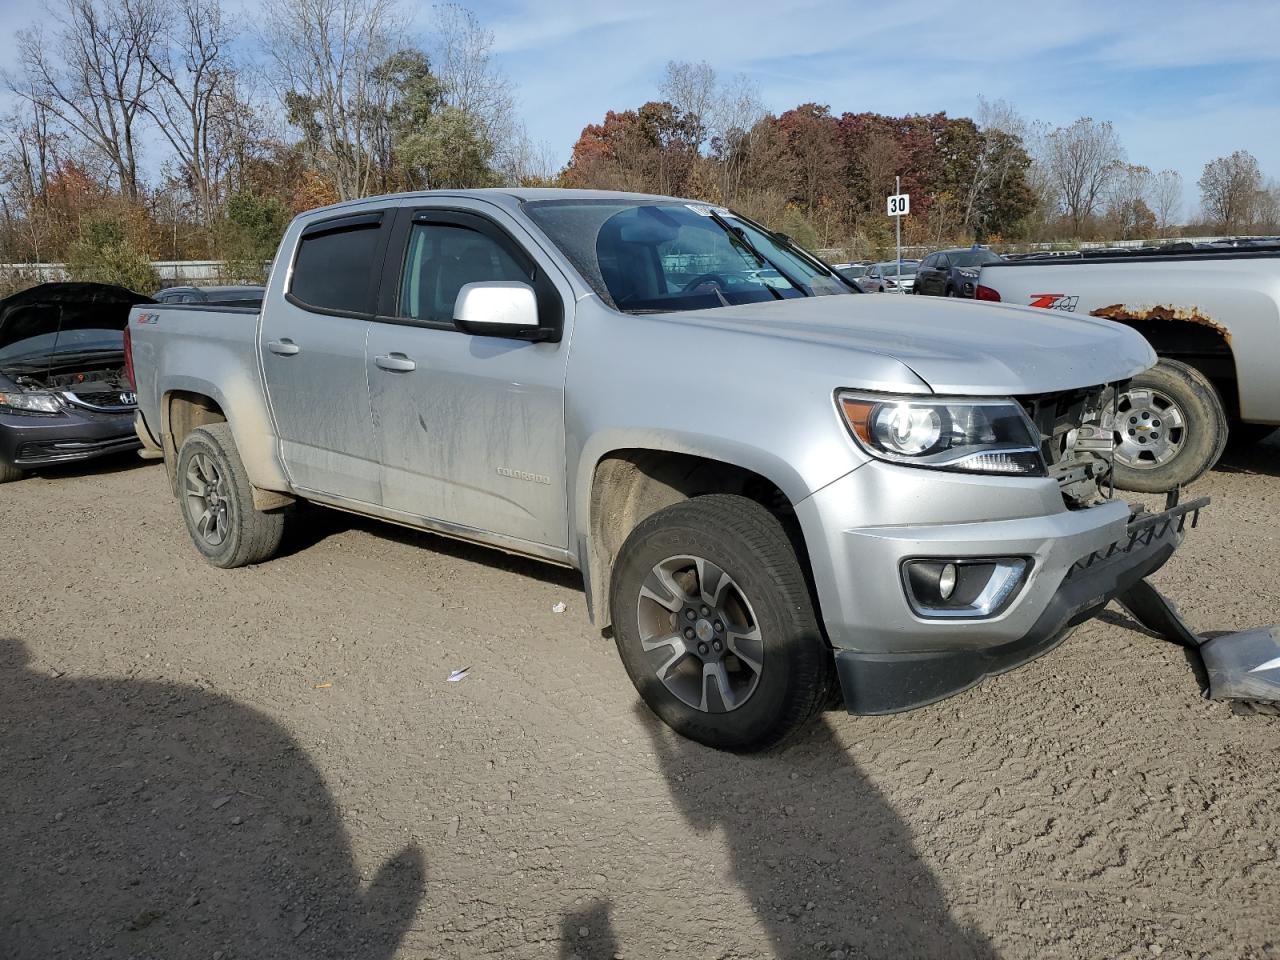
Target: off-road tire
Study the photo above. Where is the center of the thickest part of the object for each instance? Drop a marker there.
(751, 546)
(9, 473)
(1205, 429)
(251, 535)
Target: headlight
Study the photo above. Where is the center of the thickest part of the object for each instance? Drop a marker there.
(39, 404)
(969, 273)
(971, 436)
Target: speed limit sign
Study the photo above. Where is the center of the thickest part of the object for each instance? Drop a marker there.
(899, 204)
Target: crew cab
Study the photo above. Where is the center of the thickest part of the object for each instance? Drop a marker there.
(770, 484)
(1212, 315)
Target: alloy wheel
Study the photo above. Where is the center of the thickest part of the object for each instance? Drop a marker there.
(700, 634)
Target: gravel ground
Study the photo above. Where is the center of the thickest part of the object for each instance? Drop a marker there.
(269, 762)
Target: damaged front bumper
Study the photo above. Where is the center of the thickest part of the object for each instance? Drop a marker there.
(891, 658)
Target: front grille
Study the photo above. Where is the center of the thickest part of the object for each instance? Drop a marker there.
(110, 400)
(1076, 439)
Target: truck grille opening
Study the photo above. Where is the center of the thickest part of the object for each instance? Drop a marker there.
(1077, 440)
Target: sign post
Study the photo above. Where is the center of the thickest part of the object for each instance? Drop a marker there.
(899, 207)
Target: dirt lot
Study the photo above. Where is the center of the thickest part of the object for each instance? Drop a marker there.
(270, 763)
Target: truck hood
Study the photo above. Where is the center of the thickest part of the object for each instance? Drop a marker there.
(956, 346)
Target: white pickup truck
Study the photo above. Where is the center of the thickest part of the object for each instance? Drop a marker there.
(1213, 317)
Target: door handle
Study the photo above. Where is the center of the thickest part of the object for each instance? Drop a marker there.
(396, 362)
(284, 347)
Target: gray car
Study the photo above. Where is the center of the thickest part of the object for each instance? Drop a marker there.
(64, 394)
(771, 488)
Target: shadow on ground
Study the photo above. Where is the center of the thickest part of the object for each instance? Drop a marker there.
(310, 525)
(147, 819)
(828, 866)
(1261, 458)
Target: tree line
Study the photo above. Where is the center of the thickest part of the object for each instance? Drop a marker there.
(167, 129)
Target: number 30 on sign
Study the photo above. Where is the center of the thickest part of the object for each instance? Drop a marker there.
(899, 205)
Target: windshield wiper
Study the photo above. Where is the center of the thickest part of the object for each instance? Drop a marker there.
(738, 235)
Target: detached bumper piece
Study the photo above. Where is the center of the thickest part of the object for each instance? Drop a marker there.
(891, 683)
(1240, 666)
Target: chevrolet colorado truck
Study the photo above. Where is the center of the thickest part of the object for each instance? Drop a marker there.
(773, 487)
(1212, 315)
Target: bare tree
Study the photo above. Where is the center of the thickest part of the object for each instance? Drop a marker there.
(326, 55)
(196, 105)
(691, 88)
(1128, 196)
(1081, 160)
(462, 60)
(1229, 188)
(1166, 199)
(92, 73)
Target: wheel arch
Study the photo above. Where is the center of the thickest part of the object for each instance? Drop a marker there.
(191, 404)
(626, 485)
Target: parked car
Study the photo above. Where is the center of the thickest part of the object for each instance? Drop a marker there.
(953, 273)
(890, 277)
(1213, 316)
(64, 395)
(769, 489)
(244, 296)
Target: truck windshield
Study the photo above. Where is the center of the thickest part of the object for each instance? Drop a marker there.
(662, 256)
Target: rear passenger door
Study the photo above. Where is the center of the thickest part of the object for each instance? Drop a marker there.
(313, 357)
(471, 428)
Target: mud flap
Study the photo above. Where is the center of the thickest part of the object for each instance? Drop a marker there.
(1240, 666)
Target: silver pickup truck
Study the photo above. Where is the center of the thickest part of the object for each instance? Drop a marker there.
(1213, 316)
(771, 484)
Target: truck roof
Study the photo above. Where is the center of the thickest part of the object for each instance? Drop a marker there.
(1255, 250)
(509, 196)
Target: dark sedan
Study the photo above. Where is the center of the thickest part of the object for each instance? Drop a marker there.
(64, 392)
(241, 296)
(953, 273)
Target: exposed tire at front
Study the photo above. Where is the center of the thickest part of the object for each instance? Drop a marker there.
(9, 473)
(1170, 428)
(216, 500)
(715, 625)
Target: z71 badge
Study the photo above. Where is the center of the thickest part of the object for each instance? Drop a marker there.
(1054, 301)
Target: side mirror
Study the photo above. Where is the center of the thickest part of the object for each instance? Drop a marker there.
(498, 308)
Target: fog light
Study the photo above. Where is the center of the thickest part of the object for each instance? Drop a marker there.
(947, 581)
(963, 587)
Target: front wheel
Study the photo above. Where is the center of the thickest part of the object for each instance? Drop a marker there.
(9, 473)
(216, 500)
(1170, 428)
(715, 626)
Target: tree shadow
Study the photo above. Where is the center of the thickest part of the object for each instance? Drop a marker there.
(149, 819)
(825, 861)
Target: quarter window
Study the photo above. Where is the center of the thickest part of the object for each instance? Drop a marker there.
(334, 268)
(441, 259)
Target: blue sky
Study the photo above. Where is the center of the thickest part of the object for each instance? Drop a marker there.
(1183, 82)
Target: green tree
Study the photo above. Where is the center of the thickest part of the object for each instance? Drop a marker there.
(250, 234)
(435, 144)
(103, 253)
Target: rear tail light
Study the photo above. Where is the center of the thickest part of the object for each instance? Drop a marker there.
(128, 359)
(986, 293)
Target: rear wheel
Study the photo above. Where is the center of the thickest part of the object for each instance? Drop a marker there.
(9, 473)
(715, 626)
(216, 500)
(1170, 428)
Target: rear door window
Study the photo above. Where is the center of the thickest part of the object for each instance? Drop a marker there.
(336, 265)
